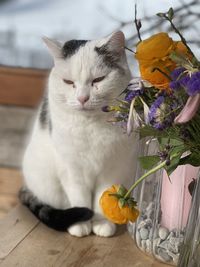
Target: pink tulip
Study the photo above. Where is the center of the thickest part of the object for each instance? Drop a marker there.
(190, 109)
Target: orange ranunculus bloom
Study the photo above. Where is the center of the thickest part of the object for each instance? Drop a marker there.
(113, 211)
(154, 53)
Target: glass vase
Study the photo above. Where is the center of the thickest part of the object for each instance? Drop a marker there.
(164, 205)
(190, 251)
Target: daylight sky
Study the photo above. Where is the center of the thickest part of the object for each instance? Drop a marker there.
(69, 19)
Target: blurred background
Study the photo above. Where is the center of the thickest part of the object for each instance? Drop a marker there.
(24, 61)
(24, 22)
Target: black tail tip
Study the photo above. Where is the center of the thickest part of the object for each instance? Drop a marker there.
(87, 214)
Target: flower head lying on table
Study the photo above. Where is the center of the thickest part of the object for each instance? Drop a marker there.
(118, 207)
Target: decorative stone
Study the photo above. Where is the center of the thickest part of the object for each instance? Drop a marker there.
(151, 233)
(163, 233)
(148, 246)
(164, 255)
(164, 244)
(156, 243)
(171, 235)
(143, 245)
(144, 233)
(155, 234)
(175, 257)
(141, 224)
(148, 223)
(174, 243)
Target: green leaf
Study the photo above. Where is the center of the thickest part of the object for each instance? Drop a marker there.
(175, 162)
(148, 162)
(172, 142)
(170, 13)
(131, 202)
(161, 15)
(122, 202)
(122, 191)
(148, 131)
(192, 159)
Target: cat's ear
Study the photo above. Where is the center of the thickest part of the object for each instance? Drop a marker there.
(115, 42)
(54, 47)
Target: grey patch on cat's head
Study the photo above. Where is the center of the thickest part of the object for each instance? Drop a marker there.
(112, 52)
(110, 58)
(44, 116)
(71, 47)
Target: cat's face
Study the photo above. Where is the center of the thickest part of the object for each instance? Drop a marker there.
(88, 74)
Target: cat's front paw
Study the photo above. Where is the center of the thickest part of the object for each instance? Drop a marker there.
(103, 228)
(80, 229)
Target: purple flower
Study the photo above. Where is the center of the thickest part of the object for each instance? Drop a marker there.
(132, 94)
(193, 85)
(154, 107)
(135, 88)
(177, 79)
(176, 73)
(184, 80)
(175, 85)
(161, 113)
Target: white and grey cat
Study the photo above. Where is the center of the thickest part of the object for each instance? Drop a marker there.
(74, 154)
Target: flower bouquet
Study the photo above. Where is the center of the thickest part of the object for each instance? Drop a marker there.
(162, 105)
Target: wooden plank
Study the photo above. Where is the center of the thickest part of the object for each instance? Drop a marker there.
(93, 251)
(125, 253)
(45, 247)
(10, 181)
(20, 86)
(40, 248)
(7, 202)
(14, 228)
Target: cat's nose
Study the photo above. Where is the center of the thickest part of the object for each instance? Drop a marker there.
(83, 99)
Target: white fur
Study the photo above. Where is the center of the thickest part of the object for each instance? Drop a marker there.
(84, 154)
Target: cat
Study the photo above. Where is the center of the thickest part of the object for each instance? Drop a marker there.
(74, 154)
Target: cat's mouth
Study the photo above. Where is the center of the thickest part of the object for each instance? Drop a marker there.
(86, 108)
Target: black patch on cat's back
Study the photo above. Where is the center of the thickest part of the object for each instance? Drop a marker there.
(71, 47)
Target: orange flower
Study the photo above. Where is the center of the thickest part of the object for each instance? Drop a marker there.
(153, 54)
(112, 208)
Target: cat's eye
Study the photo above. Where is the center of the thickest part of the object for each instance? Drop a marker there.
(99, 79)
(68, 82)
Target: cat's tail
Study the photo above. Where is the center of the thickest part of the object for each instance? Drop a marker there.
(57, 219)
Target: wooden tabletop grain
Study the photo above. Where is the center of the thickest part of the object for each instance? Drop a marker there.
(25, 242)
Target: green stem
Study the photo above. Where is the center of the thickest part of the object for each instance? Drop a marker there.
(155, 169)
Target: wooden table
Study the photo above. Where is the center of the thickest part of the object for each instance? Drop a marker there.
(25, 242)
